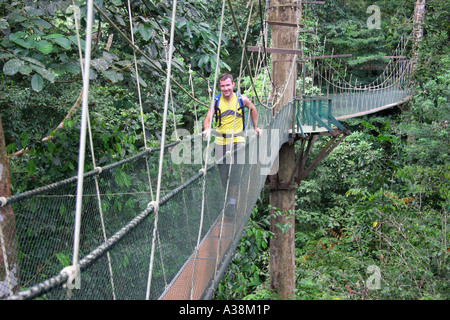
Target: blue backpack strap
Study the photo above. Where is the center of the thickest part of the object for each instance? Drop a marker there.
(216, 109)
(242, 107)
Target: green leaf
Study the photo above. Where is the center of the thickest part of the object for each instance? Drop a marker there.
(42, 23)
(63, 42)
(16, 16)
(146, 33)
(24, 69)
(11, 67)
(51, 147)
(37, 83)
(113, 76)
(31, 167)
(23, 43)
(53, 36)
(24, 136)
(74, 40)
(44, 46)
(16, 35)
(33, 61)
(122, 178)
(142, 82)
(3, 24)
(63, 259)
(46, 74)
(11, 148)
(72, 67)
(5, 55)
(203, 60)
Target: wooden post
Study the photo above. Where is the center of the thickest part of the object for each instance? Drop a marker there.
(282, 199)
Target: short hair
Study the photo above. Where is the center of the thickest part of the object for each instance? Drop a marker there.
(225, 76)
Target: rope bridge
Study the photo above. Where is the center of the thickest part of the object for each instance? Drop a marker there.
(177, 244)
(118, 224)
(342, 96)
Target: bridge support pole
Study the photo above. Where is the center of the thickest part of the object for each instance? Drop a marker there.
(282, 245)
(282, 200)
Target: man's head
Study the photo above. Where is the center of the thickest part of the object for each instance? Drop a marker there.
(226, 84)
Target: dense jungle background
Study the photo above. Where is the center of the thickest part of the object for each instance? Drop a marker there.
(380, 200)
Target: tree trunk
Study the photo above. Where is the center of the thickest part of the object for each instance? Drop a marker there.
(9, 268)
(284, 75)
(418, 19)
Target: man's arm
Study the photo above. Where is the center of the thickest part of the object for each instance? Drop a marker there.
(253, 114)
(208, 118)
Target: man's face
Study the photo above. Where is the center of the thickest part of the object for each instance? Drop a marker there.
(226, 87)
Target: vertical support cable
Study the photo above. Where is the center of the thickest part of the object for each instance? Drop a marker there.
(207, 153)
(99, 201)
(161, 155)
(82, 145)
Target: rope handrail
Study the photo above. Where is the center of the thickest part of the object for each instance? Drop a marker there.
(27, 194)
(388, 72)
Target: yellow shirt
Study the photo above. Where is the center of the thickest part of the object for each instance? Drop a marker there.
(227, 110)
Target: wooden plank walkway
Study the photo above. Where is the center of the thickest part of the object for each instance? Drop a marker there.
(212, 249)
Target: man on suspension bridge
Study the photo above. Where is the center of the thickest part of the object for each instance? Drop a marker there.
(229, 110)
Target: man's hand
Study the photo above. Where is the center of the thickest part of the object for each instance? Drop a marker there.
(206, 133)
(258, 131)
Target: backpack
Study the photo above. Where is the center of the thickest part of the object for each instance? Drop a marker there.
(217, 110)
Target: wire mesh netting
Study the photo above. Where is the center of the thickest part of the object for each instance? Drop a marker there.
(350, 105)
(122, 255)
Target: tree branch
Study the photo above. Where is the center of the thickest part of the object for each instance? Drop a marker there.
(60, 126)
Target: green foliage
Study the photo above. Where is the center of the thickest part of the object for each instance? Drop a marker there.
(248, 268)
(32, 43)
(343, 29)
(380, 201)
(364, 209)
(41, 81)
